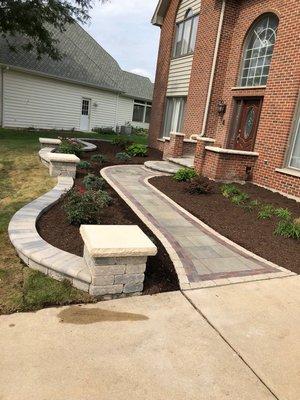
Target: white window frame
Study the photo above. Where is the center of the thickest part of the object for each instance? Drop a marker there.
(254, 60)
(294, 136)
(177, 116)
(194, 19)
(146, 105)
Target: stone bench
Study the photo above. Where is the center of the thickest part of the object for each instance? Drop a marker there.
(116, 256)
(63, 164)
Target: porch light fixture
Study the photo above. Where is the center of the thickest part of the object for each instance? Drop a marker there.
(221, 107)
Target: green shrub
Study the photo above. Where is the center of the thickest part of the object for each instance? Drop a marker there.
(104, 130)
(123, 157)
(199, 185)
(239, 199)
(250, 205)
(99, 158)
(184, 174)
(85, 208)
(137, 150)
(288, 228)
(283, 213)
(93, 182)
(229, 189)
(139, 131)
(84, 165)
(266, 212)
(122, 141)
(69, 146)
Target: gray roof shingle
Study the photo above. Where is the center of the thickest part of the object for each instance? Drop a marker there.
(84, 61)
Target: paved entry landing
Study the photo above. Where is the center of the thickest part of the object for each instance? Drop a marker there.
(201, 256)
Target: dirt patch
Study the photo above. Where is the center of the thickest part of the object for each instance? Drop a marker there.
(83, 316)
(53, 227)
(242, 227)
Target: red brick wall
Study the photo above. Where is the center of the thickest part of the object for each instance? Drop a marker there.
(162, 72)
(280, 95)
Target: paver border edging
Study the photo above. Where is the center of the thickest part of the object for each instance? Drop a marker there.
(184, 282)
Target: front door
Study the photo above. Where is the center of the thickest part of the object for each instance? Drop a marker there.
(247, 118)
(85, 115)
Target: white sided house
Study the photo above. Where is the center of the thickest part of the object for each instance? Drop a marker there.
(85, 89)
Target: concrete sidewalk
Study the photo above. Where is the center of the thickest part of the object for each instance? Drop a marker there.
(158, 347)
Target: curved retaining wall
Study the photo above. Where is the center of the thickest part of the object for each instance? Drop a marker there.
(36, 252)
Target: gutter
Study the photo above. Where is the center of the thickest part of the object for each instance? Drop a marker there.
(213, 69)
(2, 97)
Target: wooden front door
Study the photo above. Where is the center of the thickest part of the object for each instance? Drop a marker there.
(247, 124)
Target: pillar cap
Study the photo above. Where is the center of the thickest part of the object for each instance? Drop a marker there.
(49, 141)
(67, 158)
(116, 241)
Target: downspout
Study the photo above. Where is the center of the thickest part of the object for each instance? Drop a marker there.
(117, 111)
(213, 68)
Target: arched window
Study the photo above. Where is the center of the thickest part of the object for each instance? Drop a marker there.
(258, 51)
(186, 32)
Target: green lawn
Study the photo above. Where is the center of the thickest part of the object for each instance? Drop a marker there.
(22, 179)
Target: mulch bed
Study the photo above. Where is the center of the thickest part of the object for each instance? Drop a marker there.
(54, 228)
(242, 227)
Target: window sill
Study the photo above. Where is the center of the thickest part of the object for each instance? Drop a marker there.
(288, 171)
(179, 57)
(248, 87)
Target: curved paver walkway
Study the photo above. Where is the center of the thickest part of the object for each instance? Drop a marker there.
(201, 256)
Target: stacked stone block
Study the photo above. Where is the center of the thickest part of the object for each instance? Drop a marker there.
(116, 257)
(63, 164)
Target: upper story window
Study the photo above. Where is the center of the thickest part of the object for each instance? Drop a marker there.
(186, 32)
(258, 51)
(141, 111)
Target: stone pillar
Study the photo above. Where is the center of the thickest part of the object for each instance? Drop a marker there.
(116, 256)
(200, 152)
(63, 164)
(46, 142)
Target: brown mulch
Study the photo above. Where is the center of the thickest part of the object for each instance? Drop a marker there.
(242, 227)
(55, 229)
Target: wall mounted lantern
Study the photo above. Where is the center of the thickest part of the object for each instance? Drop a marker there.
(221, 107)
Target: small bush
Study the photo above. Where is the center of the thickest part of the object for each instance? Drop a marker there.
(93, 182)
(122, 141)
(266, 212)
(137, 150)
(139, 131)
(199, 185)
(99, 158)
(123, 157)
(84, 165)
(283, 213)
(239, 199)
(288, 228)
(85, 208)
(185, 174)
(104, 130)
(251, 205)
(69, 146)
(228, 190)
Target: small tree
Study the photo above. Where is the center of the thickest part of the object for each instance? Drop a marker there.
(32, 19)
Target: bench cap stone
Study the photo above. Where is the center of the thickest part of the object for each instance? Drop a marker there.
(49, 141)
(116, 241)
(67, 158)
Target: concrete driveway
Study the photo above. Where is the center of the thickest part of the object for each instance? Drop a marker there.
(158, 347)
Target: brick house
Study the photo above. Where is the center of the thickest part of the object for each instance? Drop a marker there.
(226, 96)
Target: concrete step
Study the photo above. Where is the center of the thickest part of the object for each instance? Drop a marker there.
(162, 166)
(187, 161)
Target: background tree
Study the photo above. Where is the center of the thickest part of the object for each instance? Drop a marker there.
(33, 19)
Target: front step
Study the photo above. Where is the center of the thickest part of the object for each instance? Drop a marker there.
(187, 161)
(162, 166)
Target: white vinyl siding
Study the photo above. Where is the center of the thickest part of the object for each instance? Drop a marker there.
(33, 101)
(185, 5)
(179, 76)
